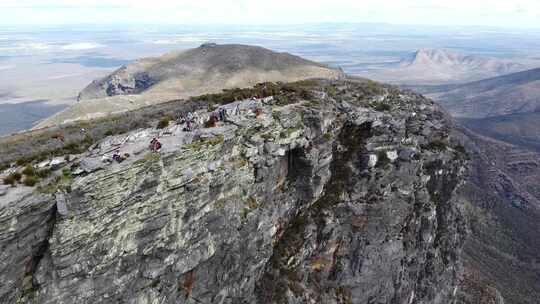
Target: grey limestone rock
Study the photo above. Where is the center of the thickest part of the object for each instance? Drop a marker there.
(303, 219)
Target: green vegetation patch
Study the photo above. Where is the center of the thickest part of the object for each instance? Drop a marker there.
(30, 181)
(382, 106)
(29, 170)
(152, 157)
(436, 145)
(164, 122)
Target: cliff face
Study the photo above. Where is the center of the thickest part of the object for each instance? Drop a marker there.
(347, 197)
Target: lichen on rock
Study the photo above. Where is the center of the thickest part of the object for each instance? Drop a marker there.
(285, 206)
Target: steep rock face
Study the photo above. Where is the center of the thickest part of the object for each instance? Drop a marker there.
(27, 221)
(345, 198)
(503, 206)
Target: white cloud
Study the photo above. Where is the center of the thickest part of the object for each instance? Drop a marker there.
(81, 46)
(6, 67)
(456, 12)
(26, 47)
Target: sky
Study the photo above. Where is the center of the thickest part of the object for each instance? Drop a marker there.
(507, 14)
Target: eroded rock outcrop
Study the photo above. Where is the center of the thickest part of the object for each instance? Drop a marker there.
(345, 197)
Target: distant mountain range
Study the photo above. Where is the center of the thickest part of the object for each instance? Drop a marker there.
(441, 66)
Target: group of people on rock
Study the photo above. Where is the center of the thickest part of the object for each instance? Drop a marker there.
(190, 120)
(119, 158)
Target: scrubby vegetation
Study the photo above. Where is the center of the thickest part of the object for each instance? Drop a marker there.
(382, 106)
(382, 159)
(164, 122)
(78, 137)
(29, 170)
(9, 180)
(30, 181)
(287, 91)
(28, 176)
(436, 145)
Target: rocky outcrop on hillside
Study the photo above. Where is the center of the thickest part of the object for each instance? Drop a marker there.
(346, 196)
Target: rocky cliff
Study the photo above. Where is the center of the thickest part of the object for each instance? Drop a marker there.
(345, 195)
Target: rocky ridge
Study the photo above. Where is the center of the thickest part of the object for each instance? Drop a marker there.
(344, 196)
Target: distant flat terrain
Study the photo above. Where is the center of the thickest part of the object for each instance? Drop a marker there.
(14, 117)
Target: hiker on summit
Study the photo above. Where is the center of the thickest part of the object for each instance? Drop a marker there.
(181, 119)
(196, 119)
(222, 114)
(117, 157)
(155, 145)
(189, 126)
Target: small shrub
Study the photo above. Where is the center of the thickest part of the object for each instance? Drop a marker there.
(21, 161)
(252, 203)
(216, 140)
(282, 100)
(152, 157)
(43, 155)
(331, 90)
(461, 149)
(109, 132)
(327, 136)
(382, 159)
(29, 170)
(30, 181)
(9, 180)
(382, 107)
(44, 173)
(164, 122)
(16, 175)
(436, 145)
(88, 140)
(66, 173)
(72, 148)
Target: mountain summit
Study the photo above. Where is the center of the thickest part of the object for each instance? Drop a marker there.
(208, 68)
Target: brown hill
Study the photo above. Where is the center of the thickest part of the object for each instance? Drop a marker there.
(504, 95)
(209, 68)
